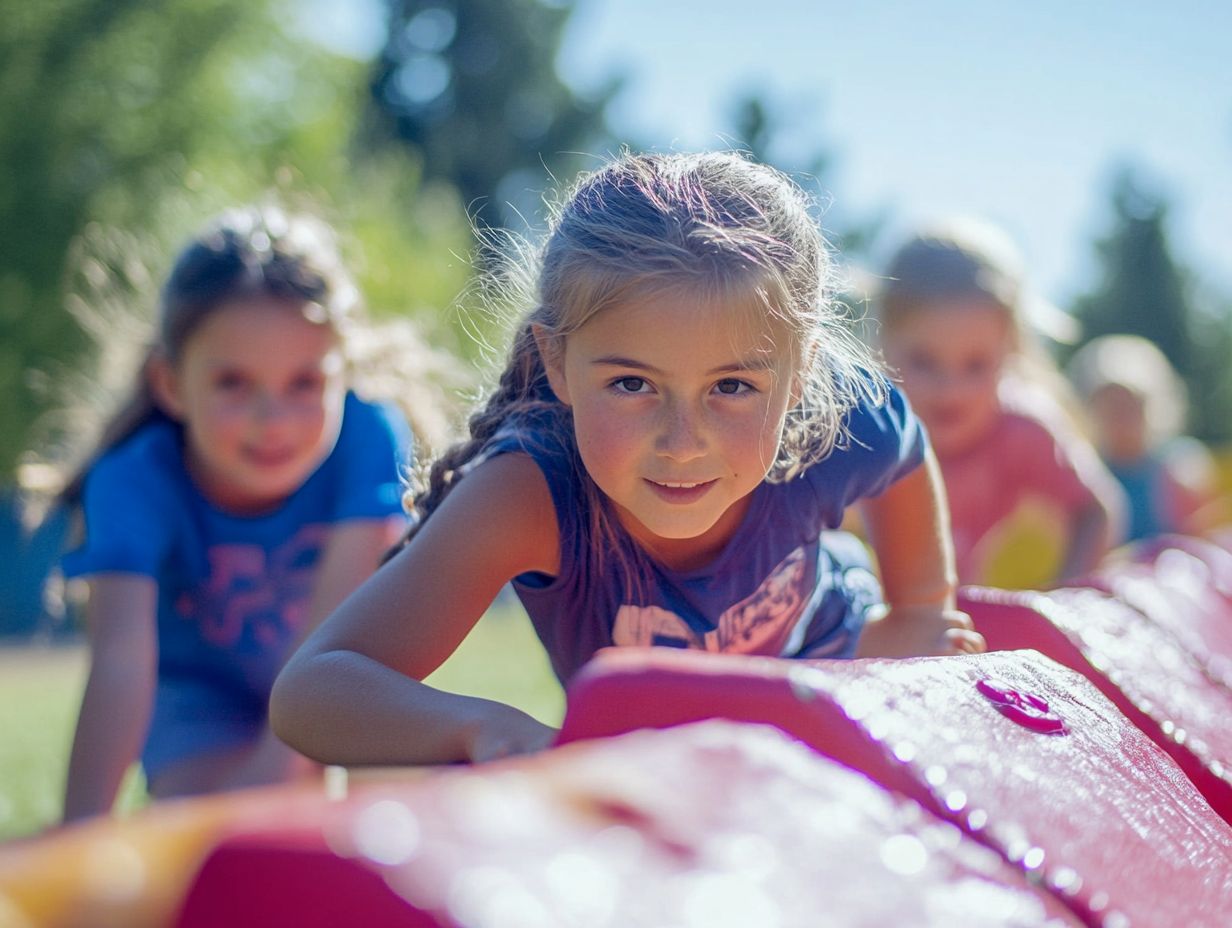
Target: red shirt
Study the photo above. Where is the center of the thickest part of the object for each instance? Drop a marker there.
(1014, 495)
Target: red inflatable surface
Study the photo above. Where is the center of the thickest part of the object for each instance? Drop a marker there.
(1184, 585)
(1135, 661)
(713, 824)
(1011, 747)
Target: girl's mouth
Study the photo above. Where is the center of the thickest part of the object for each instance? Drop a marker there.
(270, 457)
(680, 491)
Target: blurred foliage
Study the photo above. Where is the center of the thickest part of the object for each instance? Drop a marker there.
(124, 125)
(472, 87)
(1144, 291)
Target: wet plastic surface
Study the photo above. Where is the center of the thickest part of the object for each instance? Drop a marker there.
(1098, 814)
(1184, 585)
(713, 824)
(1135, 661)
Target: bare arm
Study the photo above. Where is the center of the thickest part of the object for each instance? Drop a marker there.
(351, 555)
(119, 694)
(908, 526)
(1091, 537)
(1097, 527)
(352, 694)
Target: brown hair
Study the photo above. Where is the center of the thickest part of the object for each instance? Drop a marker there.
(254, 251)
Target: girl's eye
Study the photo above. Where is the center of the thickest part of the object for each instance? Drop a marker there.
(230, 382)
(307, 383)
(629, 384)
(732, 387)
(978, 367)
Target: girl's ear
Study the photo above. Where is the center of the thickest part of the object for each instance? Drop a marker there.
(802, 376)
(552, 350)
(797, 391)
(164, 384)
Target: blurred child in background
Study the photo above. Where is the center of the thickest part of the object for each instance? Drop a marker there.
(236, 499)
(1136, 404)
(682, 419)
(1030, 502)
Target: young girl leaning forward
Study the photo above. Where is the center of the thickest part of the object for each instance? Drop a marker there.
(241, 494)
(681, 420)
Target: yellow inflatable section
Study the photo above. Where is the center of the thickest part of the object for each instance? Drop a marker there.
(1024, 550)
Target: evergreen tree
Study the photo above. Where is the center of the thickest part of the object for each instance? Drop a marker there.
(471, 85)
(1144, 291)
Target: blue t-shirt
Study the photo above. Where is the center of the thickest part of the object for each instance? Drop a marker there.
(782, 586)
(232, 590)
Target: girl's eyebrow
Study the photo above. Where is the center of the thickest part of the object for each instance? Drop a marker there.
(760, 362)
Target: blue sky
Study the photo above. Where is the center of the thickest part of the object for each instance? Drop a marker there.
(1013, 111)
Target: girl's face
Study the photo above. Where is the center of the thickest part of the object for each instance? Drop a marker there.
(1119, 415)
(259, 390)
(951, 356)
(678, 406)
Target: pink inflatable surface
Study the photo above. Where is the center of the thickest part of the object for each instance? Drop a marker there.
(1011, 747)
(712, 824)
(1184, 585)
(1135, 661)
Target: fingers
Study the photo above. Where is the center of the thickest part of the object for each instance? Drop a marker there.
(956, 619)
(965, 641)
(526, 739)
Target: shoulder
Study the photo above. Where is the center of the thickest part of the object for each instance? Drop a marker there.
(881, 414)
(502, 513)
(1030, 410)
(883, 442)
(365, 421)
(134, 500)
(542, 435)
(149, 461)
(1039, 446)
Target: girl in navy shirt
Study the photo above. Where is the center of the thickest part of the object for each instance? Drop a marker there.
(682, 421)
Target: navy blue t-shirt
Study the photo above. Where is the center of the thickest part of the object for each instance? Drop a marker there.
(784, 585)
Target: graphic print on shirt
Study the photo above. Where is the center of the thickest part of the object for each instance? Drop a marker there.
(762, 623)
(254, 598)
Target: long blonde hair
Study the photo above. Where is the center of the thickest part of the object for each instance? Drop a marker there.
(716, 223)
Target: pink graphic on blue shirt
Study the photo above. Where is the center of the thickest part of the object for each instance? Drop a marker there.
(254, 594)
(763, 623)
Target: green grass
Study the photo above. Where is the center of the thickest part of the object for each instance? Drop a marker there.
(40, 693)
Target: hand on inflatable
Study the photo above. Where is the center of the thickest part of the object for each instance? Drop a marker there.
(506, 733)
(920, 631)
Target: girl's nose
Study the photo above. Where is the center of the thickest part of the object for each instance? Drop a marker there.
(269, 409)
(949, 382)
(682, 434)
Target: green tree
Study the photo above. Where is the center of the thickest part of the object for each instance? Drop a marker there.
(1143, 290)
(123, 124)
(471, 86)
(101, 104)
